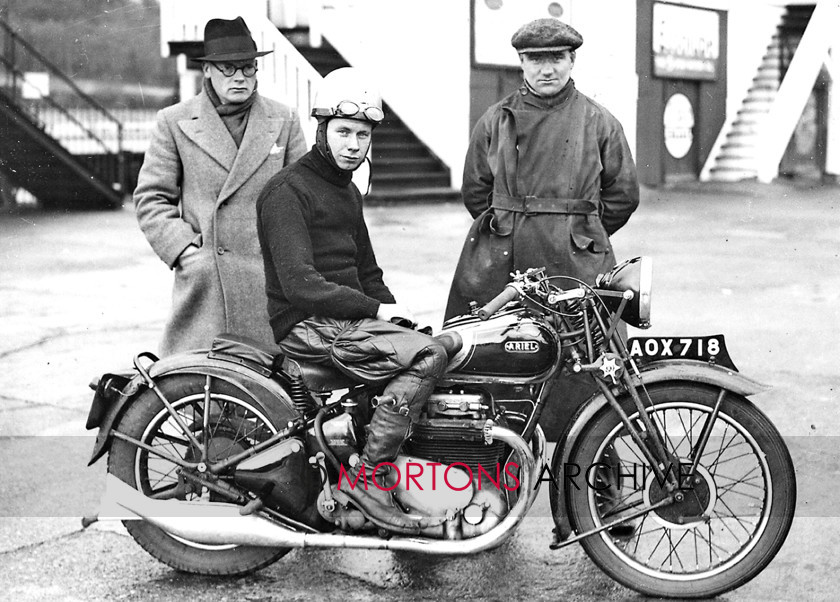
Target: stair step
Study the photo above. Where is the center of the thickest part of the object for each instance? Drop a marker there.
(756, 95)
(735, 163)
(385, 150)
(769, 70)
(388, 194)
(410, 179)
(736, 152)
(395, 136)
(749, 127)
(403, 164)
(718, 175)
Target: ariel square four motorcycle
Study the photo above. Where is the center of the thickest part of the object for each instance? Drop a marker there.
(675, 484)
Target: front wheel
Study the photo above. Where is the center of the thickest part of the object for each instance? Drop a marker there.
(226, 421)
(734, 514)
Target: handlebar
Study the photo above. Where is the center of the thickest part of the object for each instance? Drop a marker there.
(510, 293)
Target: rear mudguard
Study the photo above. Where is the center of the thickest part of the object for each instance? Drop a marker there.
(655, 372)
(253, 383)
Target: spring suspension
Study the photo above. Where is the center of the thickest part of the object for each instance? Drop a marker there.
(299, 393)
(578, 319)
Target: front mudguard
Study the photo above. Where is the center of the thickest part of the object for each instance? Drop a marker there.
(656, 372)
(111, 399)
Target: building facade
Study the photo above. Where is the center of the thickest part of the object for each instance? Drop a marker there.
(705, 89)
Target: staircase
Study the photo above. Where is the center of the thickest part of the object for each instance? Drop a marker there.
(31, 157)
(403, 167)
(737, 157)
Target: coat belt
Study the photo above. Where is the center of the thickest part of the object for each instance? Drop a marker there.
(534, 205)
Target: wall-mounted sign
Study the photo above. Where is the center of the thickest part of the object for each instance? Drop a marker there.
(495, 21)
(686, 42)
(678, 122)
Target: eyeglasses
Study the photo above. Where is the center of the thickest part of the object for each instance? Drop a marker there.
(229, 69)
(348, 108)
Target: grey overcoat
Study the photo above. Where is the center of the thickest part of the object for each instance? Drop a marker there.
(196, 187)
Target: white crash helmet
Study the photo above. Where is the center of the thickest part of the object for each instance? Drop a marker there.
(346, 93)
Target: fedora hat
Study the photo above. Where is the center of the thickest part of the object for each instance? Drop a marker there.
(229, 40)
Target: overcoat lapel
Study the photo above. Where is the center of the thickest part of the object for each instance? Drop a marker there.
(261, 133)
(206, 129)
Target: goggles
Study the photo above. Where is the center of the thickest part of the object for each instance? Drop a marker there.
(351, 110)
(229, 69)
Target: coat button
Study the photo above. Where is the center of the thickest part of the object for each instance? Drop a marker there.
(220, 250)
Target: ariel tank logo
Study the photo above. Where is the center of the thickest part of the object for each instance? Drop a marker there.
(522, 346)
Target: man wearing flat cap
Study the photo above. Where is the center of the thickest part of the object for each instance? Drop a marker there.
(196, 192)
(548, 176)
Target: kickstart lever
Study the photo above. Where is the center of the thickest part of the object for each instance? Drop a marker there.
(318, 460)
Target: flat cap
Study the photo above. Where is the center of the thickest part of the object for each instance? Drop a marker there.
(546, 35)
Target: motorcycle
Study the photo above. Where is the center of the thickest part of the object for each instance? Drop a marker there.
(675, 484)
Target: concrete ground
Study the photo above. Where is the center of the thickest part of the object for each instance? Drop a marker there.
(81, 293)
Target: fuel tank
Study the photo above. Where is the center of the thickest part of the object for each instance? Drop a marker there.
(511, 347)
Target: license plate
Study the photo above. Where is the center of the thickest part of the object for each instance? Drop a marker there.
(711, 349)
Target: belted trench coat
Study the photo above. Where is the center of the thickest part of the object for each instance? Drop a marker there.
(196, 187)
(547, 182)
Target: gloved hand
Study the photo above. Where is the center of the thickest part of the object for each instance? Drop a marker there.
(396, 313)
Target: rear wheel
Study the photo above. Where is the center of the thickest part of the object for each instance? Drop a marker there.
(733, 517)
(234, 422)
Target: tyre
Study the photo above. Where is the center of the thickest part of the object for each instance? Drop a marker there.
(235, 422)
(734, 514)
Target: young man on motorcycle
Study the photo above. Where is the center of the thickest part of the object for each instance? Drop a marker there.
(326, 297)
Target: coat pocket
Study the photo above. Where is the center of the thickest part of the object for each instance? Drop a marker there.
(588, 234)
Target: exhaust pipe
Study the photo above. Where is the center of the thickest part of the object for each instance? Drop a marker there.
(221, 524)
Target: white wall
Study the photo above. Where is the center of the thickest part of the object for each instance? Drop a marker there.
(419, 53)
(605, 67)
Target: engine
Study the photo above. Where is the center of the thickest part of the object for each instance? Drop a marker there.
(450, 431)
(445, 470)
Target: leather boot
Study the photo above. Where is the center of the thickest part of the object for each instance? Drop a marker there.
(388, 430)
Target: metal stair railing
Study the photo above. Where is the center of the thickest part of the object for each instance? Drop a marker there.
(57, 120)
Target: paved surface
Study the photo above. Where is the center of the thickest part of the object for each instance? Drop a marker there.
(81, 293)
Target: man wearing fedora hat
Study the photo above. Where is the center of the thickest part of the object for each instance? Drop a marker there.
(196, 192)
(548, 177)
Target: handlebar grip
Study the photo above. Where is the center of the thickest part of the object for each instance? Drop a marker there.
(506, 296)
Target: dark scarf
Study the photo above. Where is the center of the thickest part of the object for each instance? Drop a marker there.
(234, 116)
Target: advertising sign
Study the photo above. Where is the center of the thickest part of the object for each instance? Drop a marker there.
(686, 42)
(678, 122)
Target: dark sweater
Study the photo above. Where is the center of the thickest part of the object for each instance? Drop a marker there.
(316, 249)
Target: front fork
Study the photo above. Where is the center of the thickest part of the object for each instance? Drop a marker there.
(648, 435)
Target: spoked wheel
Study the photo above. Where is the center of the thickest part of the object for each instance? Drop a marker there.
(229, 423)
(729, 520)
